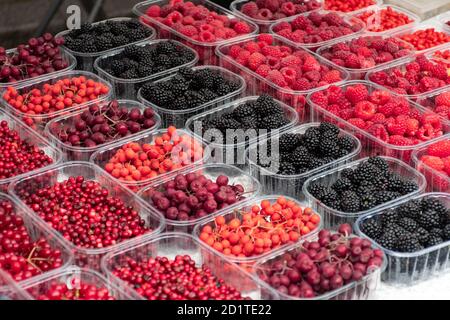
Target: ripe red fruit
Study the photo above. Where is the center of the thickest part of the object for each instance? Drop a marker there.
(439, 149)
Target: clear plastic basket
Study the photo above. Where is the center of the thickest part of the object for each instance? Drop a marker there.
(76, 153)
(85, 61)
(178, 118)
(128, 88)
(436, 181)
(264, 25)
(360, 74)
(102, 156)
(205, 50)
(428, 101)
(172, 244)
(231, 213)
(402, 66)
(40, 120)
(376, 4)
(65, 54)
(376, 12)
(356, 290)
(409, 268)
(352, 20)
(9, 290)
(33, 138)
(36, 231)
(235, 153)
(372, 146)
(211, 171)
(422, 26)
(424, 9)
(71, 277)
(332, 217)
(292, 185)
(85, 257)
(257, 85)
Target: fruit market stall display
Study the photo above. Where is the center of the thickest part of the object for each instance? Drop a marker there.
(365, 53)
(27, 250)
(342, 195)
(259, 116)
(82, 133)
(425, 36)
(386, 123)
(74, 283)
(271, 65)
(200, 24)
(93, 40)
(349, 5)
(334, 266)
(191, 196)
(39, 58)
(414, 78)
(414, 234)
(57, 200)
(317, 28)
(155, 155)
(244, 234)
(434, 163)
(39, 102)
(191, 91)
(304, 151)
(264, 13)
(129, 68)
(387, 19)
(181, 256)
(22, 151)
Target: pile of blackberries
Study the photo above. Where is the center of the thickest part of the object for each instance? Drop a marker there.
(262, 113)
(299, 153)
(105, 35)
(189, 88)
(411, 227)
(368, 185)
(142, 61)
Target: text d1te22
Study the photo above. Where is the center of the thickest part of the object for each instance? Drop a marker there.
(226, 309)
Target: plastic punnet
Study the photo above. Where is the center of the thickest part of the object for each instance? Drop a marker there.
(76, 153)
(85, 257)
(332, 217)
(172, 244)
(9, 290)
(292, 185)
(128, 88)
(410, 268)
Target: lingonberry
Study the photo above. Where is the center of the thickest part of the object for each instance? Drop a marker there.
(160, 278)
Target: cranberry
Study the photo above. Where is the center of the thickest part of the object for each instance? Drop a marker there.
(83, 291)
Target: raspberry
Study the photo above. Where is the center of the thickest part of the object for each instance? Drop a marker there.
(255, 60)
(356, 93)
(332, 76)
(447, 165)
(311, 64)
(380, 97)
(154, 11)
(352, 61)
(400, 141)
(188, 31)
(301, 84)
(263, 70)
(413, 67)
(264, 14)
(396, 126)
(440, 149)
(277, 78)
(379, 131)
(290, 61)
(272, 5)
(234, 51)
(242, 27)
(357, 122)
(272, 51)
(288, 8)
(289, 74)
(252, 47)
(412, 126)
(365, 110)
(443, 111)
(443, 99)
(265, 37)
(433, 162)
(320, 99)
(378, 118)
(431, 119)
(250, 9)
(346, 113)
(401, 109)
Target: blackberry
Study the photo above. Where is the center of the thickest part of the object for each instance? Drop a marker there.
(372, 228)
(207, 95)
(410, 209)
(329, 127)
(364, 187)
(250, 122)
(193, 99)
(429, 219)
(104, 43)
(288, 142)
(224, 89)
(329, 197)
(135, 35)
(434, 240)
(380, 182)
(118, 67)
(156, 95)
(341, 185)
(118, 29)
(385, 196)
(329, 148)
(367, 201)
(396, 230)
(347, 173)
(287, 168)
(365, 172)
(423, 235)
(389, 218)
(166, 47)
(144, 71)
(300, 157)
(408, 243)
(439, 207)
(179, 103)
(275, 121)
(132, 52)
(163, 62)
(446, 232)
(315, 163)
(437, 232)
(395, 183)
(341, 153)
(345, 143)
(119, 41)
(244, 110)
(311, 138)
(129, 74)
(316, 189)
(350, 201)
(380, 163)
(203, 79)
(89, 46)
(388, 241)
(408, 224)
(266, 106)
(179, 85)
(408, 187)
